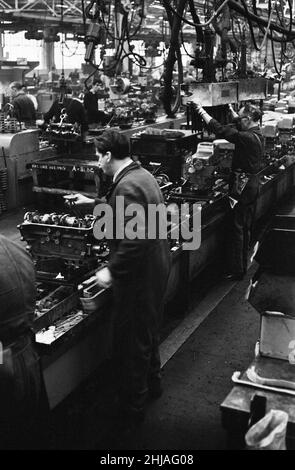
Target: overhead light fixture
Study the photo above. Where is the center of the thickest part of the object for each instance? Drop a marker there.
(160, 7)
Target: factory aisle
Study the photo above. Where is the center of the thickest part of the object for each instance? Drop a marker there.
(196, 380)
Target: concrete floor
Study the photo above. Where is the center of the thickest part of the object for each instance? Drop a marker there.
(196, 380)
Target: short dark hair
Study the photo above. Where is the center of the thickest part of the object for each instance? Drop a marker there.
(114, 142)
(96, 81)
(16, 85)
(252, 111)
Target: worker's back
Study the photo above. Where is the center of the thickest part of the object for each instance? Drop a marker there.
(24, 109)
(21, 386)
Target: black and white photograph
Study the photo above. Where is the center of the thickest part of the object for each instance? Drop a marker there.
(147, 229)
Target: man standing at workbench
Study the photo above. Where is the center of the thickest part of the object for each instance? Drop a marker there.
(138, 272)
(244, 181)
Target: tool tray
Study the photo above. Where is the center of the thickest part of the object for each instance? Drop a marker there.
(69, 300)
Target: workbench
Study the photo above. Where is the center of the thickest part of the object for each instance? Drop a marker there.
(87, 345)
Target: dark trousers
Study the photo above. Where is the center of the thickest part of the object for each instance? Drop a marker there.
(137, 364)
(23, 401)
(136, 358)
(239, 236)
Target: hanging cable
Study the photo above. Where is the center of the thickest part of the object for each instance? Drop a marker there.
(233, 31)
(173, 55)
(183, 45)
(261, 21)
(268, 26)
(196, 25)
(92, 16)
(274, 58)
(250, 24)
(276, 39)
(196, 20)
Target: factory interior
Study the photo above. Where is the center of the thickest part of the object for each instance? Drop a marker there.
(147, 172)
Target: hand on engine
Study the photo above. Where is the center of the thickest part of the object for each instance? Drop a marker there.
(78, 199)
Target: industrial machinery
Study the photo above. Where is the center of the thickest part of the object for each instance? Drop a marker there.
(69, 302)
(162, 151)
(195, 167)
(62, 131)
(210, 164)
(18, 151)
(137, 106)
(62, 245)
(66, 174)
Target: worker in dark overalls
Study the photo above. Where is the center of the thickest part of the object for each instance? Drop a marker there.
(244, 181)
(23, 107)
(22, 390)
(94, 115)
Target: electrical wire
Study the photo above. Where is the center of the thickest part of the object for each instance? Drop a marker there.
(233, 32)
(131, 35)
(196, 25)
(276, 39)
(274, 58)
(95, 15)
(183, 45)
(250, 25)
(196, 20)
(261, 21)
(173, 55)
(268, 26)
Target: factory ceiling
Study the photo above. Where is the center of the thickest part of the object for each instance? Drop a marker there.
(46, 18)
(67, 16)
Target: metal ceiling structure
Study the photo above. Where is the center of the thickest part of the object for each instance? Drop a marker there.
(21, 15)
(67, 16)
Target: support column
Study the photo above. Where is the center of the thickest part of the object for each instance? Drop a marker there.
(1, 46)
(48, 55)
(2, 88)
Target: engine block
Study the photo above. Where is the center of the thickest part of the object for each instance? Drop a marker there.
(62, 236)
